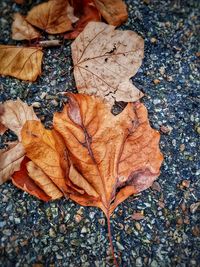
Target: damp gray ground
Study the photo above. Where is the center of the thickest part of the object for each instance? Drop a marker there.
(62, 233)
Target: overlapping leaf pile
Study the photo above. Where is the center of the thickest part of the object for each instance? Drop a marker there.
(53, 17)
(90, 155)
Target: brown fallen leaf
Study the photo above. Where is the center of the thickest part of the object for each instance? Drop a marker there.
(104, 61)
(89, 13)
(10, 160)
(22, 180)
(21, 62)
(22, 30)
(14, 114)
(47, 150)
(112, 157)
(113, 11)
(51, 16)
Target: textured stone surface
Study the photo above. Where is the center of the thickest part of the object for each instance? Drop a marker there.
(49, 233)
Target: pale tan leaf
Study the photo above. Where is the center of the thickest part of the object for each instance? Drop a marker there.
(10, 161)
(104, 61)
(113, 11)
(51, 16)
(14, 114)
(43, 181)
(21, 62)
(22, 30)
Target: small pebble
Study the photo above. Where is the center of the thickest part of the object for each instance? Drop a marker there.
(101, 221)
(53, 83)
(120, 246)
(194, 207)
(156, 186)
(36, 104)
(137, 216)
(78, 218)
(166, 129)
(153, 40)
(137, 226)
(84, 230)
(185, 183)
(156, 81)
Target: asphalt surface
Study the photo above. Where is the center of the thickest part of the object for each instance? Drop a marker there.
(62, 233)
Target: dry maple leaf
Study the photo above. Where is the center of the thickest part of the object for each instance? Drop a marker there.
(10, 160)
(21, 62)
(89, 13)
(22, 30)
(112, 157)
(47, 150)
(113, 11)
(92, 156)
(104, 61)
(51, 16)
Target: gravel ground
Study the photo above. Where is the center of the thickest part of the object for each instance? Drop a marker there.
(62, 233)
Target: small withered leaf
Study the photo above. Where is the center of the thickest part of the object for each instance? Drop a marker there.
(51, 16)
(22, 30)
(113, 11)
(23, 63)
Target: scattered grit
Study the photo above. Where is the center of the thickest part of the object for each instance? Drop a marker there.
(61, 233)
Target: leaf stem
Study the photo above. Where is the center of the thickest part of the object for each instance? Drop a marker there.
(50, 43)
(110, 240)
